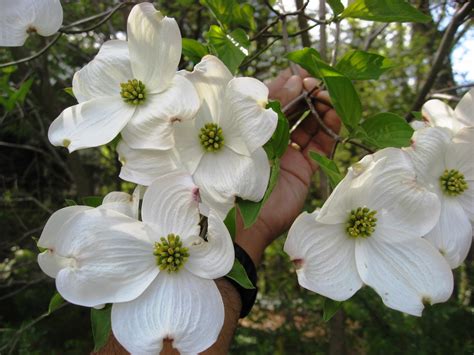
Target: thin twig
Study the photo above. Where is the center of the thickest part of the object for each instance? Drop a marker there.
(358, 144)
(373, 35)
(264, 29)
(16, 337)
(337, 38)
(22, 146)
(24, 287)
(97, 16)
(106, 15)
(30, 199)
(333, 150)
(63, 30)
(272, 9)
(452, 88)
(294, 34)
(34, 56)
(256, 55)
(322, 30)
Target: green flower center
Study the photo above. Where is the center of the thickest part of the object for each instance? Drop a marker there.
(453, 182)
(170, 253)
(211, 137)
(133, 92)
(361, 223)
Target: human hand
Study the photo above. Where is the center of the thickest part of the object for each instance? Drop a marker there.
(296, 167)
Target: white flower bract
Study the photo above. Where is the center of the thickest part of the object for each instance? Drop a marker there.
(130, 87)
(19, 18)
(222, 147)
(381, 245)
(49, 260)
(439, 114)
(444, 163)
(114, 258)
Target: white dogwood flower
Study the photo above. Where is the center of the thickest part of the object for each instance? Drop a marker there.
(369, 232)
(20, 18)
(222, 147)
(445, 164)
(130, 87)
(439, 114)
(158, 272)
(49, 260)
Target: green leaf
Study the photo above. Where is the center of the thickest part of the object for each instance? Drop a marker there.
(418, 115)
(221, 9)
(360, 65)
(92, 201)
(384, 11)
(387, 130)
(278, 143)
(101, 326)
(18, 96)
(69, 91)
(243, 16)
(329, 168)
(230, 48)
(70, 202)
(55, 302)
(40, 249)
(194, 50)
(239, 275)
(342, 92)
(230, 13)
(230, 222)
(330, 307)
(250, 210)
(336, 6)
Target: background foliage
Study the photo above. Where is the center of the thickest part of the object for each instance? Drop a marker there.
(37, 178)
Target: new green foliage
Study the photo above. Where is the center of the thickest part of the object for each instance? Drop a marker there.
(101, 326)
(231, 47)
(343, 95)
(384, 11)
(360, 65)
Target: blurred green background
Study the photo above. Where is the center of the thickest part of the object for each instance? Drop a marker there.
(36, 178)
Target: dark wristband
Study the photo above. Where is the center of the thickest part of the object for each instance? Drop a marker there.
(247, 295)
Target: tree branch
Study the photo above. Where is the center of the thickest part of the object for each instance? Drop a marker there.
(443, 51)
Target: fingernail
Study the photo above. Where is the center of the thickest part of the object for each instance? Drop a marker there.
(294, 84)
(310, 83)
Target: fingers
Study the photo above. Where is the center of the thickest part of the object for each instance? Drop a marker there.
(291, 89)
(321, 142)
(309, 136)
(307, 129)
(310, 83)
(284, 86)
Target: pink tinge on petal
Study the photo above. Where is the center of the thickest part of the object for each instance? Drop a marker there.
(196, 195)
(298, 263)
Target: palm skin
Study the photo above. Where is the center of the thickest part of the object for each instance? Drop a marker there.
(297, 168)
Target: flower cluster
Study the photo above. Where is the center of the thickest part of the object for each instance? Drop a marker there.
(158, 272)
(398, 221)
(195, 140)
